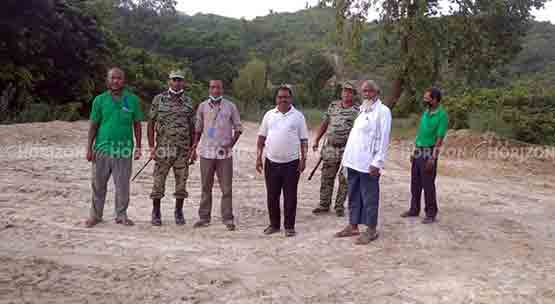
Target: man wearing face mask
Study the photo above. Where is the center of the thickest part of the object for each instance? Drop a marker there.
(217, 129)
(336, 125)
(364, 159)
(429, 139)
(171, 127)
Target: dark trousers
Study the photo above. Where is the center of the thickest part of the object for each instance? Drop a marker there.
(364, 198)
(423, 180)
(282, 177)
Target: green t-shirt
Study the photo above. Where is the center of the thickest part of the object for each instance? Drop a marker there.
(115, 120)
(432, 126)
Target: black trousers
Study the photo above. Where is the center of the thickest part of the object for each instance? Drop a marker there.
(422, 180)
(282, 177)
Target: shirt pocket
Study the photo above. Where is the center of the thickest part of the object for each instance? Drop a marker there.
(126, 116)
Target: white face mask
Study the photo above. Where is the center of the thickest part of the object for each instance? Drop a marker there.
(176, 92)
(212, 98)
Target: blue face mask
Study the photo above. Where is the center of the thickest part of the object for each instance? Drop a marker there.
(216, 99)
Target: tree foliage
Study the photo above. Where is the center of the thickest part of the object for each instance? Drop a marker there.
(472, 39)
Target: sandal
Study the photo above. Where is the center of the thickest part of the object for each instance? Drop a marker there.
(271, 230)
(91, 222)
(366, 237)
(124, 221)
(347, 232)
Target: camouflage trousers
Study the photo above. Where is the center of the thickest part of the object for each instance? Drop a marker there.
(179, 161)
(330, 168)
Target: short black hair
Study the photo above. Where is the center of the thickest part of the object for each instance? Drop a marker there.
(435, 93)
(283, 87)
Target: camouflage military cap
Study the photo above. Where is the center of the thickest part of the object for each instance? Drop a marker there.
(177, 74)
(348, 85)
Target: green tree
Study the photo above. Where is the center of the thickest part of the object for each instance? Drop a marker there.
(52, 50)
(473, 39)
(250, 86)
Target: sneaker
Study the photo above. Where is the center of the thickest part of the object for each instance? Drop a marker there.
(320, 209)
(409, 214)
(271, 230)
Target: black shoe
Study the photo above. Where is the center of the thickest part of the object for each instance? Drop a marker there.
(340, 212)
(271, 230)
(179, 218)
(156, 216)
(290, 232)
(230, 227)
(320, 209)
(428, 220)
(201, 224)
(409, 214)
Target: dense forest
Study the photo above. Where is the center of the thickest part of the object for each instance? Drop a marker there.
(54, 55)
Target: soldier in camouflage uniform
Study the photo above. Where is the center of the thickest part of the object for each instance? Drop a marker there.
(172, 121)
(336, 125)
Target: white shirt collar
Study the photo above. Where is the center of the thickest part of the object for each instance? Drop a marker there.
(291, 110)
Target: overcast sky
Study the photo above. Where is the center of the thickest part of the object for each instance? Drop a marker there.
(253, 8)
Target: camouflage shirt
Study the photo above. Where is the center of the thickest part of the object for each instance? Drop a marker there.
(340, 122)
(174, 117)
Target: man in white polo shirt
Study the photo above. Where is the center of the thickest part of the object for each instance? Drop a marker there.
(284, 134)
(364, 158)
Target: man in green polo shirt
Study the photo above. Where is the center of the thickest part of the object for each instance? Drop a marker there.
(116, 114)
(429, 139)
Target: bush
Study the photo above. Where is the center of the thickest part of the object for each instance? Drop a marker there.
(517, 112)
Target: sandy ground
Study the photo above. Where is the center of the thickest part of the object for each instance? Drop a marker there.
(494, 242)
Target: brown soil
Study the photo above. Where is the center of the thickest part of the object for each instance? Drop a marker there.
(494, 242)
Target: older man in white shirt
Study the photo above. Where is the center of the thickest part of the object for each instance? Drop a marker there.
(284, 134)
(363, 159)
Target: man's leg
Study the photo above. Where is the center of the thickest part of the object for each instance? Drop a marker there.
(181, 173)
(355, 198)
(428, 182)
(274, 183)
(342, 189)
(207, 170)
(161, 169)
(224, 171)
(290, 186)
(100, 175)
(122, 169)
(355, 205)
(159, 175)
(326, 185)
(415, 186)
(370, 192)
